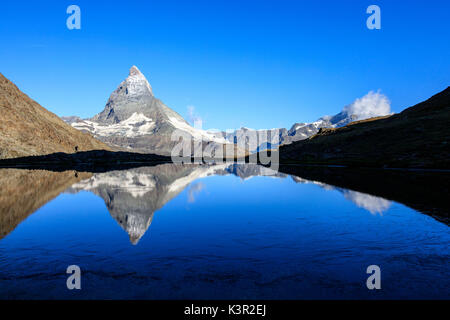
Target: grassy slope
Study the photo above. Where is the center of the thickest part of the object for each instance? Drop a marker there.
(418, 137)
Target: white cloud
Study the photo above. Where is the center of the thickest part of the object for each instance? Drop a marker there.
(373, 104)
(194, 118)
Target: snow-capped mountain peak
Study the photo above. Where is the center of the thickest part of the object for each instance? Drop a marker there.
(134, 71)
(133, 118)
(133, 95)
(136, 83)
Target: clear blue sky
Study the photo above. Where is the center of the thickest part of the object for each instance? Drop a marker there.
(260, 64)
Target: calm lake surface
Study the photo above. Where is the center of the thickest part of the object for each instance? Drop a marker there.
(212, 232)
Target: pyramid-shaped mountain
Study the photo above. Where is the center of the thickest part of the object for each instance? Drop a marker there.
(134, 119)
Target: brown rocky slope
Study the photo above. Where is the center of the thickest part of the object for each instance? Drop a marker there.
(28, 129)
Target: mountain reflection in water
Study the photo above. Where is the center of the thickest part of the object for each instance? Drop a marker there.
(133, 196)
(22, 192)
(224, 231)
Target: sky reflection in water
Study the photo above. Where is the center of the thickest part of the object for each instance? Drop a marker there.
(205, 232)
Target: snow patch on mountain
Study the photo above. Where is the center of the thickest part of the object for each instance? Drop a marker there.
(194, 132)
(135, 184)
(201, 172)
(134, 126)
(134, 119)
(136, 83)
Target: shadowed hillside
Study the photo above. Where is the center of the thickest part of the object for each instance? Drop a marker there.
(418, 137)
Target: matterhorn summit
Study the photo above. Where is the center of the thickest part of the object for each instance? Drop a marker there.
(136, 84)
(133, 95)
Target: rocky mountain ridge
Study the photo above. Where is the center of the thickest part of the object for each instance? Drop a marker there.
(273, 138)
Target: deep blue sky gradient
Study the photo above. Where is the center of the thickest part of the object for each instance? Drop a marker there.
(260, 64)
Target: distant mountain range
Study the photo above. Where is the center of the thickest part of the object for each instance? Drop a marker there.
(134, 119)
(273, 138)
(371, 105)
(27, 129)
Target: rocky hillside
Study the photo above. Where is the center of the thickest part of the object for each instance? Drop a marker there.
(28, 129)
(418, 137)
